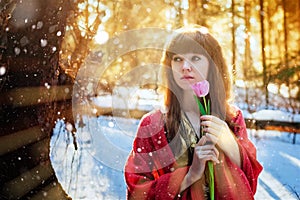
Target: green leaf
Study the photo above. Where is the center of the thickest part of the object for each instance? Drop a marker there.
(201, 108)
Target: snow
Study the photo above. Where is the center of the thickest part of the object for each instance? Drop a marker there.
(129, 98)
(95, 170)
(145, 99)
(280, 178)
(275, 115)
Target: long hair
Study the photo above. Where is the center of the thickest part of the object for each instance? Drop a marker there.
(195, 39)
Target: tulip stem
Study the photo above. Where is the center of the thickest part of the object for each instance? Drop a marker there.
(205, 106)
(211, 180)
(206, 111)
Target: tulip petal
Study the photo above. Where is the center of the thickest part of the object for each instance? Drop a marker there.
(201, 88)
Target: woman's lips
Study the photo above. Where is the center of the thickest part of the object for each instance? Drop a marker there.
(187, 77)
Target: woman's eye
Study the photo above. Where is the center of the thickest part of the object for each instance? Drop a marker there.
(196, 58)
(177, 59)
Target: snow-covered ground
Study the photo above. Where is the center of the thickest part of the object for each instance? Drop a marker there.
(280, 178)
(95, 170)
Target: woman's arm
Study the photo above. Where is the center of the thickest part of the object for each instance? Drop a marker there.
(230, 146)
(150, 170)
(144, 183)
(249, 163)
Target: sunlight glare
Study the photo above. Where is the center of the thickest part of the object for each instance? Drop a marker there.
(284, 90)
(291, 92)
(82, 5)
(273, 88)
(93, 2)
(90, 9)
(240, 83)
(101, 37)
(170, 13)
(257, 66)
(185, 4)
(253, 21)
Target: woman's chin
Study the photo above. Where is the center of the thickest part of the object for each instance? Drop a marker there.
(186, 86)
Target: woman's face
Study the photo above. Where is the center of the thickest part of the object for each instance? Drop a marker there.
(189, 68)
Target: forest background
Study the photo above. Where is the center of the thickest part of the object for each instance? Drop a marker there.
(261, 41)
(45, 46)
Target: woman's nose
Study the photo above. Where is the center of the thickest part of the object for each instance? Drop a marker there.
(186, 65)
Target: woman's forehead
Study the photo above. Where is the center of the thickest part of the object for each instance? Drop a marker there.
(184, 45)
(189, 54)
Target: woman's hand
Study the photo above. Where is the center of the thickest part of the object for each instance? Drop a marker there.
(224, 136)
(215, 126)
(204, 151)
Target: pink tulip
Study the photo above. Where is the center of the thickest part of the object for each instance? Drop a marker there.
(201, 88)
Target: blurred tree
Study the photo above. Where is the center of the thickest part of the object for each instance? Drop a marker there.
(233, 30)
(6, 8)
(263, 53)
(192, 12)
(282, 58)
(82, 25)
(247, 66)
(232, 21)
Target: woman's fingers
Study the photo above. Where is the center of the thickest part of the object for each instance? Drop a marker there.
(213, 152)
(207, 151)
(211, 138)
(208, 155)
(207, 139)
(211, 121)
(213, 125)
(202, 141)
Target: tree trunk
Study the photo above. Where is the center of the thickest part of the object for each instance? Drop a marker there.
(31, 96)
(233, 39)
(247, 64)
(263, 53)
(286, 50)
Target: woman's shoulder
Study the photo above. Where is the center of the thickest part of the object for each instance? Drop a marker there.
(152, 117)
(236, 113)
(150, 134)
(151, 122)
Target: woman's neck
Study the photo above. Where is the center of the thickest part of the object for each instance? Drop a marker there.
(189, 105)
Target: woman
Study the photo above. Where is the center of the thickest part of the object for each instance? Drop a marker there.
(169, 156)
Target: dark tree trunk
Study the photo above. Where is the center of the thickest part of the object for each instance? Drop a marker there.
(30, 97)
